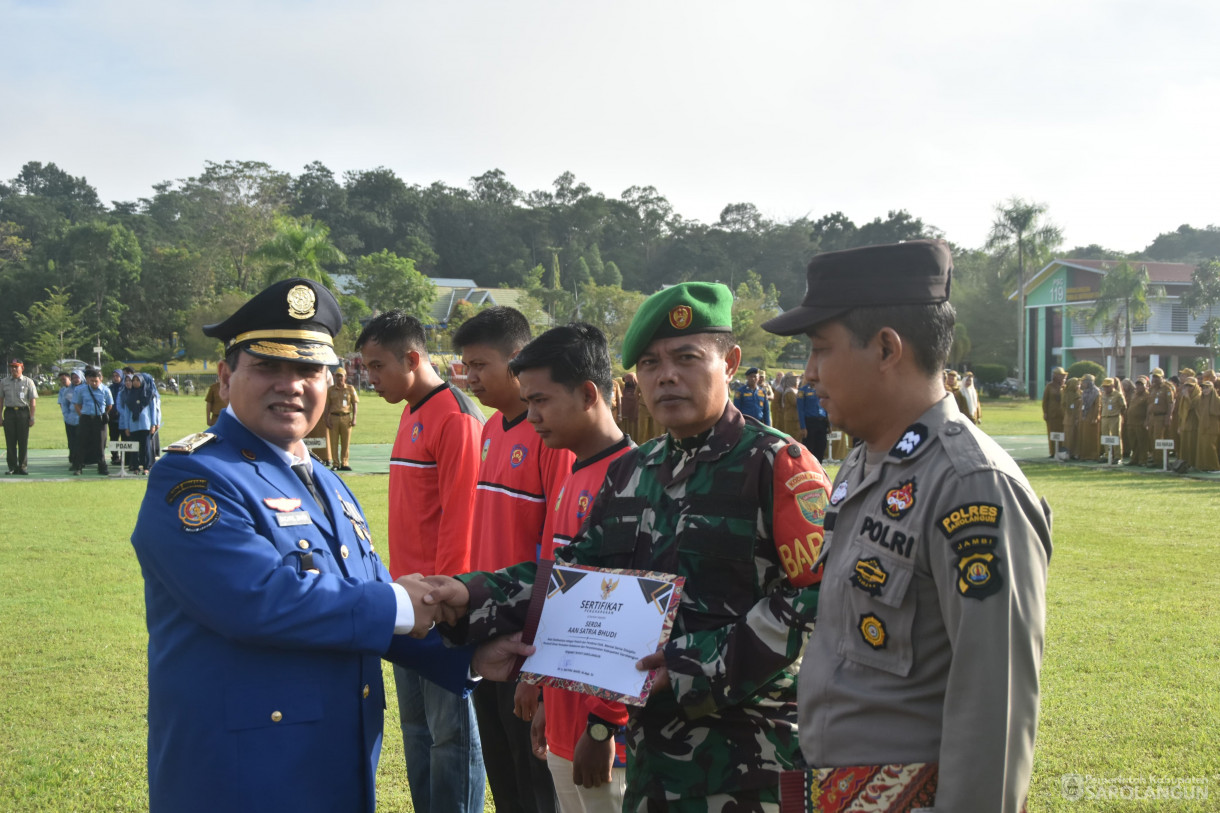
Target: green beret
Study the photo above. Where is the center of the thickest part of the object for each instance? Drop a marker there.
(686, 309)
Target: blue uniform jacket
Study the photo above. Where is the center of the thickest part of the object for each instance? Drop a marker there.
(265, 636)
(808, 405)
(754, 403)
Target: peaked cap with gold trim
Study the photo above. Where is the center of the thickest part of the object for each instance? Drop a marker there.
(293, 320)
(681, 310)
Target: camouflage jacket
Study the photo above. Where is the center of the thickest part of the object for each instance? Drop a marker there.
(738, 512)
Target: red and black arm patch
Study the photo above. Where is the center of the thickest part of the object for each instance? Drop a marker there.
(802, 494)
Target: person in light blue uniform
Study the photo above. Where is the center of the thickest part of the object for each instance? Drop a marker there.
(69, 381)
(140, 417)
(92, 403)
(268, 610)
(814, 423)
(752, 399)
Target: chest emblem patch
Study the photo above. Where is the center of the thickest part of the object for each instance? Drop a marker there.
(486, 446)
(197, 511)
(840, 493)
(872, 630)
(869, 575)
(900, 500)
(582, 503)
(418, 430)
(518, 455)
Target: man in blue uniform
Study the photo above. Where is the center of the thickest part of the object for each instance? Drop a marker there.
(752, 399)
(813, 420)
(268, 611)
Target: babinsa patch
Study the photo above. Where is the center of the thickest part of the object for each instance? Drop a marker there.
(872, 630)
(979, 571)
(869, 575)
(197, 512)
(968, 515)
(900, 500)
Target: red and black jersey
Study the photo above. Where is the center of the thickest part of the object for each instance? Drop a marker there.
(567, 713)
(433, 471)
(518, 477)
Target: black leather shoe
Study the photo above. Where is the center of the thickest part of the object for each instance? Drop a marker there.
(103, 470)
(345, 468)
(23, 473)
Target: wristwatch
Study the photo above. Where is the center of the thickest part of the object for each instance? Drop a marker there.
(598, 729)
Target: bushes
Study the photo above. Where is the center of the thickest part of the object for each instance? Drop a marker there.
(1082, 368)
(155, 370)
(989, 373)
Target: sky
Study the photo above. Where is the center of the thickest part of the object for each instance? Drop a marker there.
(1106, 111)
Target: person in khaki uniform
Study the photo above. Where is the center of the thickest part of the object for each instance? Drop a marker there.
(1187, 421)
(789, 420)
(924, 659)
(1088, 425)
(1161, 396)
(954, 387)
(839, 448)
(340, 417)
(214, 403)
(629, 408)
(1127, 387)
(1137, 417)
(1207, 408)
(1176, 418)
(1113, 410)
(1052, 406)
(1071, 417)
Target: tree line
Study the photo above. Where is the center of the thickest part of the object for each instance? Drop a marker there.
(140, 277)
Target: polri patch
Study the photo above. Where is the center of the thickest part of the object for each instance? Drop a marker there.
(872, 630)
(197, 512)
(194, 484)
(869, 575)
(969, 515)
(911, 440)
(979, 571)
(900, 500)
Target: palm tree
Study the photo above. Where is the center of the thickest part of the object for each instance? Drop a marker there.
(299, 249)
(1019, 229)
(1122, 298)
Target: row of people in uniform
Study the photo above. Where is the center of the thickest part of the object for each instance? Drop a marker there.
(267, 622)
(1184, 408)
(89, 409)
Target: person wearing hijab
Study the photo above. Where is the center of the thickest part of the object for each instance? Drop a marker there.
(68, 383)
(1088, 433)
(141, 406)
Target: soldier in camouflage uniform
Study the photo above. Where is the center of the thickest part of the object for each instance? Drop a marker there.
(734, 507)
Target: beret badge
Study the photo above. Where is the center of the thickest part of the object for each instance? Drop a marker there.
(681, 317)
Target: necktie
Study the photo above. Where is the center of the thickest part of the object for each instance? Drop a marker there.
(302, 472)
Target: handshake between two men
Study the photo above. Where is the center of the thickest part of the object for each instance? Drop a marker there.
(444, 599)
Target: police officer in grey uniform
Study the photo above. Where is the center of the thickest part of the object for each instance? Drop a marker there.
(929, 634)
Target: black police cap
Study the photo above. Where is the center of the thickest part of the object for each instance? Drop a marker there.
(917, 272)
(294, 320)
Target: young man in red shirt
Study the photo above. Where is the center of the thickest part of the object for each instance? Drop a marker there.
(433, 471)
(566, 383)
(519, 477)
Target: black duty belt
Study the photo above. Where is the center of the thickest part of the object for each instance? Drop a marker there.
(16, 409)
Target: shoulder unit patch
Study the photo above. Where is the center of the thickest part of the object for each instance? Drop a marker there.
(968, 515)
(979, 573)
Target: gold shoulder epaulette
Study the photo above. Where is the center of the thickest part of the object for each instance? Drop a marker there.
(191, 442)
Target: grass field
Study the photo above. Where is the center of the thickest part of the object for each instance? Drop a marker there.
(1131, 678)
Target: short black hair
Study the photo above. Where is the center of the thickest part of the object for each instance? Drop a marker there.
(574, 354)
(505, 329)
(397, 331)
(927, 328)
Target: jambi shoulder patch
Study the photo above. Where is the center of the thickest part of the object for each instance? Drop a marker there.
(979, 567)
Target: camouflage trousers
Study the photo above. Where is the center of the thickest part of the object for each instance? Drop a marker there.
(755, 801)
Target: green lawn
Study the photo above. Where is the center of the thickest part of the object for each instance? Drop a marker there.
(1131, 679)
